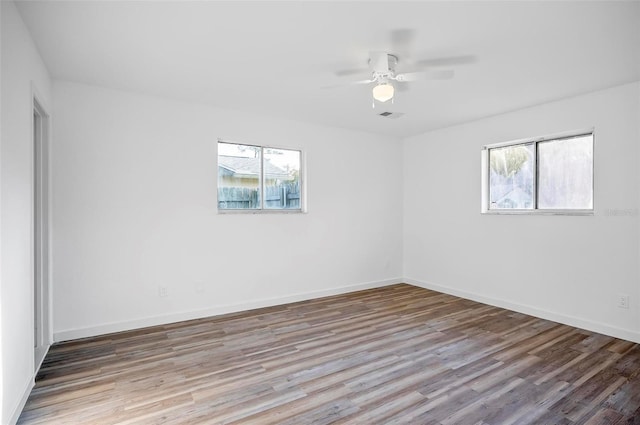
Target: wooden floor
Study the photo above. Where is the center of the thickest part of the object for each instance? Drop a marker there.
(394, 355)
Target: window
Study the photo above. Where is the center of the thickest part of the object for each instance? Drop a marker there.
(257, 178)
(549, 175)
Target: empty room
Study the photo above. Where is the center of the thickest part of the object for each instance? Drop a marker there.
(305, 212)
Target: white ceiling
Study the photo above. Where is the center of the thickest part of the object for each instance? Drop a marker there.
(273, 57)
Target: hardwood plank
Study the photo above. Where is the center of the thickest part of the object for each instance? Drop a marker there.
(392, 355)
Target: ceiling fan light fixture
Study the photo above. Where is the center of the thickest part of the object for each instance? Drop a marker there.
(383, 92)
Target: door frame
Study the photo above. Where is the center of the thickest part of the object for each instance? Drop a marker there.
(41, 287)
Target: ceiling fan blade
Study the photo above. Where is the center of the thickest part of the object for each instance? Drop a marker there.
(350, 83)
(448, 61)
(444, 74)
(402, 86)
(345, 72)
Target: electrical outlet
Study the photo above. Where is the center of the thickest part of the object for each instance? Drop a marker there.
(162, 291)
(623, 300)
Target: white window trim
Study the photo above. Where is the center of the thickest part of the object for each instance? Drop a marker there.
(484, 159)
(262, 210)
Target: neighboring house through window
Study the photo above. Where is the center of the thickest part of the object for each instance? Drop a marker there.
(258, 178)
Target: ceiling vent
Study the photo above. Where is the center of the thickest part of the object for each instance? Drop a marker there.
(391, 115)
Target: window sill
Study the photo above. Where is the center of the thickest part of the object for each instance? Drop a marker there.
(248, 211)
(537, 212)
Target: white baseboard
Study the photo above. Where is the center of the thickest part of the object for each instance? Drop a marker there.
(40, 354)
(23, 400)
(602, 328)
(577, 322)
(25, 395)
(70, 334)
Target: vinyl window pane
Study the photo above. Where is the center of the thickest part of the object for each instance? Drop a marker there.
(281, 178)
(239, 175)
(511, 177)
(565, 173)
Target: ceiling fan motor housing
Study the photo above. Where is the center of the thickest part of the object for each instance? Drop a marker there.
(382, 63)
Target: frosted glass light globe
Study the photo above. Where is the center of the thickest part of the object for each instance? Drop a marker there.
(383, 92)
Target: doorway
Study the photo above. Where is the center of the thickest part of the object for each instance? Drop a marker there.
(41, 290)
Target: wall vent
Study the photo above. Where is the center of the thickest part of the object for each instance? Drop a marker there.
(391, 115)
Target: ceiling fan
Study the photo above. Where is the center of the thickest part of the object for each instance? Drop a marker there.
(385, 78)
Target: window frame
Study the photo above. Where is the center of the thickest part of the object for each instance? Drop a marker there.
(485, 189)
(261, 187)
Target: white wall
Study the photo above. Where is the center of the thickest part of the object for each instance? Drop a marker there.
(21, 66)
(134, 209)
(566, 268)
(1, 337)
(134, 193)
